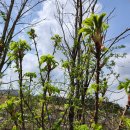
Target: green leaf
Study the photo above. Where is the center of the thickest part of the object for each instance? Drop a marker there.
(30, 74)
(96, 126)
(81, 127)
(100, 20)
(88, 22)
(56, 125)
(65, 64)
(32, 34)
(57, 39)
(15, 128)
(95, 20)
(94, 25)
(125, 85)
(92, 88)
(49, 62)
(18, 49)
(85, 30)
(126, 122)
(3, 15)
(52, 89)
(105, 26)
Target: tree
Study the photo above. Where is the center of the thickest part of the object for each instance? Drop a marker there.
(11, 23)
(18, 50)
(81, 54)
(80, 101)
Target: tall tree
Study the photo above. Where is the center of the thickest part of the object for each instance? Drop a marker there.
(13, 14)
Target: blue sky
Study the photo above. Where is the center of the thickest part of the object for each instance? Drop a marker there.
(122, 10)
(119, 22)
(121, 15)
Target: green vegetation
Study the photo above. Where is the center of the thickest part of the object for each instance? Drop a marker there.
(78, 100)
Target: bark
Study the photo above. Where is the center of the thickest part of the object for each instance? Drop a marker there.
(43, 82)
(71, 117)
(98, 53)
(21, 91)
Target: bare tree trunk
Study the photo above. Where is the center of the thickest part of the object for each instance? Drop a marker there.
(71, 117)
(71, 104)
(21, 92)
(98, 53)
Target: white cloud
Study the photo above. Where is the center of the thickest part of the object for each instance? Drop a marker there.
(30, 63)
(122, 68)
(50, 26)
(119, 97)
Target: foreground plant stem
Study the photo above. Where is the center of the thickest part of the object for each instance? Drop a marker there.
(97, 83)
(43, 82)
(21, 92)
